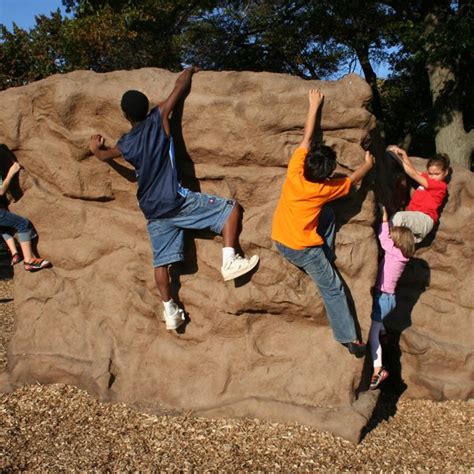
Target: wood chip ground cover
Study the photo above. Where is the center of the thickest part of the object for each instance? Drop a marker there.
(62, 428)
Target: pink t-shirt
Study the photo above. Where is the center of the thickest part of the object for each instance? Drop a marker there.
(392, 264)
(428, 200)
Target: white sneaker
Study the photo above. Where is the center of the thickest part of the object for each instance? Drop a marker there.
(237, 266)
(174, 320)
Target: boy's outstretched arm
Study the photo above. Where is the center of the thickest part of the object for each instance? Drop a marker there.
(315, 97)
(363, 169)
(100, 151)
(181, 87)
(408, 167)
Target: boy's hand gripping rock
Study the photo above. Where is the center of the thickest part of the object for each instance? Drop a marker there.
(315, 97)
(96, 143)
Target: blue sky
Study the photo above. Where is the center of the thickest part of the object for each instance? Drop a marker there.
(23, 13)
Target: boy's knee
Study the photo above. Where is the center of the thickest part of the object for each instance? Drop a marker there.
(161, 273)
(238, 210)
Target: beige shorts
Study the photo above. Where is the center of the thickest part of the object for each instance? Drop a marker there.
(418, 222)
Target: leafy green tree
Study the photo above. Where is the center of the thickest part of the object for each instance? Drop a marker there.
(408, 111)
(101, 36)
(428, 95)
(437, 34)
(26, 56)
(121, 34)
(260, 35)
(311, 39)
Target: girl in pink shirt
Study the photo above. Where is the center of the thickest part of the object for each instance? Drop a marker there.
(399, 245)
(421, 214)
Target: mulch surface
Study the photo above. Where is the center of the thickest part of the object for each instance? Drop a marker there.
(62, 428)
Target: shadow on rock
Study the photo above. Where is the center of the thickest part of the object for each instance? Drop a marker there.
(413, 283)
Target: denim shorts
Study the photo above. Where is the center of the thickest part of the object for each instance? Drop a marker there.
(384, 304)
(11, 223)
(199, 211)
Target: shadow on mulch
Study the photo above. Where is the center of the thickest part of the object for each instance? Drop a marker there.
(385, 409)
(6, 270)
(6, 273)
(391, 389)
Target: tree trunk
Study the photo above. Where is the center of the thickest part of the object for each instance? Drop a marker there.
(371, 78)
(451, 137)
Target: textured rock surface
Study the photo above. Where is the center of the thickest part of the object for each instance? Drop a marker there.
(258, 348)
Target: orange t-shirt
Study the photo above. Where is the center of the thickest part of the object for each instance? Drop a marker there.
(296, 217)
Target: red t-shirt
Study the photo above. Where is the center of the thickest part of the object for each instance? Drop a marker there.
(428, 200)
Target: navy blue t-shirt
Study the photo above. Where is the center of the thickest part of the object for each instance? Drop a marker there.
(150, 151)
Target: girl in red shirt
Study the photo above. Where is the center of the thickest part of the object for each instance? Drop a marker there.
(421, 214)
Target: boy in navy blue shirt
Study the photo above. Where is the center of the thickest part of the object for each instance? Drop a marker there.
(168, 207)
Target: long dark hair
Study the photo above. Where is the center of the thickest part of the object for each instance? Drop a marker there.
(440, 159)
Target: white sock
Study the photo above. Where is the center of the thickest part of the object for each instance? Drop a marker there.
(170, 306)
(227, 252)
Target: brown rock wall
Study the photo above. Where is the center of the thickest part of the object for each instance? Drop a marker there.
(260, 349)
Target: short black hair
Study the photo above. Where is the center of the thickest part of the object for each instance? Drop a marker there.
(320, 163)
(135, 105)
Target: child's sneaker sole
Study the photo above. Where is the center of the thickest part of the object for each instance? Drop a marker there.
(36, 266)
(231, 275)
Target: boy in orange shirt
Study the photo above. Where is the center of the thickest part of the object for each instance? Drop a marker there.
(304, 231)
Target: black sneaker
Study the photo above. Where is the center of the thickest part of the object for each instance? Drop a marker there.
(357, 348)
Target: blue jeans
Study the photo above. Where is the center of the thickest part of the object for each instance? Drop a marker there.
(11, 223)
(384, 304)
(316, 262)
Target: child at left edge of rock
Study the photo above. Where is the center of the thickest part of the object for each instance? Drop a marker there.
(11, 223)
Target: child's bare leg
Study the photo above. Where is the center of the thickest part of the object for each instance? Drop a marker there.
(27, 251)
(233, 265)
(230, 231)
(11, 245)
(173, 315)
(162, 279)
